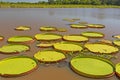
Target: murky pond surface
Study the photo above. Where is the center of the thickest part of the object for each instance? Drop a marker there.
(11, 18)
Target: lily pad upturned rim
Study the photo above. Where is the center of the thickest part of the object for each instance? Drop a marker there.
(29, 41)
(7, 53)
(116, 69)
(94, 26)
(52, 56)
(60, 36)
(21, 74)
(75, 26)
(93, 76)
(52, 28)
(92, 32)
(74, 39)
(102, 44)
(29, 28)
(2, 38)
(69, 43)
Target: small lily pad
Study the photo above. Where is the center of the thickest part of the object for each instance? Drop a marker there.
(105, 41)
(47, 28)
(94, 67)
(67, 47)
(78, 26)
(48, 36)
(22, 28)
(49, 56)
(76, 38)
(117, 69)
(61, 29)
(101, 48)
(92, 34)
(21, 39)
(117, 36)
(96, 26)
(17, 66)
(13, 48)
(1, 38)
(116, 42)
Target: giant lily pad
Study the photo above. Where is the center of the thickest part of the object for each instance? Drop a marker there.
(92, 34)
(20, 39)
(48, 36)
(45, 45)
(49, 56)
(76, 38)
(17, 66)
(13, 48)
(67, 47)
(96, 26)
(47, 28)
(78, 26)
(117, 36)
(117, 69)
(22, 28)
(61, 29)
(1, 38)
(116, 42)
(94, 67)
(101, 48)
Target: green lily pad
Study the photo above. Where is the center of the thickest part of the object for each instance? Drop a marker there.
(92, 34)
(76, 38)
(17, 66)
(96, 26)
(105, 41)
(78, 26)
(47, 28)
(116, 42)
(94, 67)
(13, 48)
(21, 39)
(45, 45)
(1, 38)
(61, 29)
(49, 56)
(22, 28)
(67, 47)
(117, 69)
(116, 36)
(101, 48)
(48, 36)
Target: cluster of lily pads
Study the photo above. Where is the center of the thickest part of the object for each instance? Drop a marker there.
(61, 46)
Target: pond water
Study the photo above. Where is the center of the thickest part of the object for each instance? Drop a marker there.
(11, 18)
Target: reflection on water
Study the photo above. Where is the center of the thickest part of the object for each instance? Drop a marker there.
(11, 18)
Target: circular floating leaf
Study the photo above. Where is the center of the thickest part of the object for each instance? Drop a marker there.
(1, 38)
(48, 36)
(45, 45)
(49, 56)
(116, 42)
(76, 38)
(67, 47)
(20, 39)
(117, 36)
(78, 26)
(22, 28)
(117, 69)
(13, 48)
(47, 28)
(105, 41)
(96, 26)
(69, 20)
(92, 34)
(17, 66)
(92, 67)
(61, 29)
(101, 48)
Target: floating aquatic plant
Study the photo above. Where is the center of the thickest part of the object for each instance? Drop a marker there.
(22, 28)
(91, 66)
(95, 25)
(78, 26)
(47, 28)
(17, 66)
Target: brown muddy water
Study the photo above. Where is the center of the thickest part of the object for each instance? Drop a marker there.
(11, 18)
